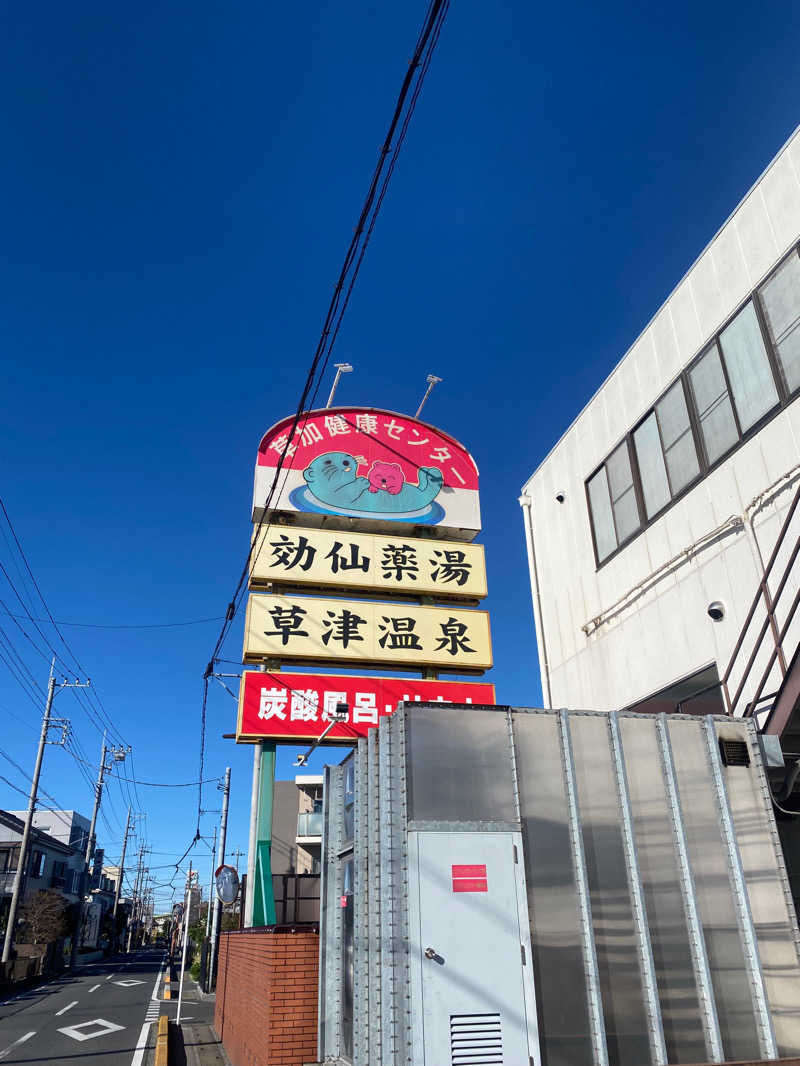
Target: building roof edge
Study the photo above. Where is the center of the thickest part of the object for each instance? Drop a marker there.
(673, 290)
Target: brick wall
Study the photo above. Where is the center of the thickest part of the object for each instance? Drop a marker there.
(266, 1007)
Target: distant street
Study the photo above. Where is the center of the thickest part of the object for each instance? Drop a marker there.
(101, 1015)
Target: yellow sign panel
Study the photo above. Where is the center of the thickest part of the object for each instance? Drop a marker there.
(353, 631)
(405, 565)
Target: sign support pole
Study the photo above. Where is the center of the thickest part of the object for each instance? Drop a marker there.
(263, 901)
(185, 939)
(253, 836)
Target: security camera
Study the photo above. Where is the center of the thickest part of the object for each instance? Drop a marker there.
(559, 497)
(716, 611)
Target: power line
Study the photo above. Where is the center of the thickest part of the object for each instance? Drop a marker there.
(132, 625)
(148, 784)
(401, 117)
(100, 711)
(412, 83)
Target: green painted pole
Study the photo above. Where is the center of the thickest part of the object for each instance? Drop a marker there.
(263, 897)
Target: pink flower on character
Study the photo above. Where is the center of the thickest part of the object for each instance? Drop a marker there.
(386, 476)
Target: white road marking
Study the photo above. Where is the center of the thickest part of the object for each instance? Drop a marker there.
(154, 1009)
(16, 1043)
(74, 1031)
(94, 988)
(65, 1009)
(141, 1046)
(128, 984)
(109, 977)
(155, 995)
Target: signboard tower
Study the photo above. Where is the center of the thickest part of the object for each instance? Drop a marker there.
(362, 557)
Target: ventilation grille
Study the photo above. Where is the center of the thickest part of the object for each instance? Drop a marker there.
(734, 752)
(475, 1040)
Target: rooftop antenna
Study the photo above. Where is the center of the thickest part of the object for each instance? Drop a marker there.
(432, 380)
(341, 368)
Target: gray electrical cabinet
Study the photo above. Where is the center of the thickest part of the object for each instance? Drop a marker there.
(515, 887)
(469, 966)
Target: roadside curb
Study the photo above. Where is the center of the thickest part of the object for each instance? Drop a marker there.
(162, 1042)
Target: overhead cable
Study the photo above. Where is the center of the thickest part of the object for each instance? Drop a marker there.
(404, 108)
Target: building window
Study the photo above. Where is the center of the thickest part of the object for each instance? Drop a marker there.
(713, 403)
(652, 468)
(680, 451)
(37, 864)
(623, 493)
(612, 496)
(748, 372)
(780, 299)
(605, 538)
(665, 451)
(747, 363)
(78, 837)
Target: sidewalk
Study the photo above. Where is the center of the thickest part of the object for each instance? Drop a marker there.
(194, 1043)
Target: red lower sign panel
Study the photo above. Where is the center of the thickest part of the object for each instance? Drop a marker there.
(470, 878)
(283, 706)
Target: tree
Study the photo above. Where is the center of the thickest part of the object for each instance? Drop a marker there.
(44, 917)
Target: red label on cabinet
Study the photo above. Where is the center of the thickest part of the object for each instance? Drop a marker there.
(470, 878)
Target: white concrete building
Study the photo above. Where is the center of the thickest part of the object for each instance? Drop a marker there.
(650, 522)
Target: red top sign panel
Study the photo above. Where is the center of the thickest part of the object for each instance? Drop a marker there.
(386, 469)
(283, 706)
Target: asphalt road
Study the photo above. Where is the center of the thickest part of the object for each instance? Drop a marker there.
(99, 1016)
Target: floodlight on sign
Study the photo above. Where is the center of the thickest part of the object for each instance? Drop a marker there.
(227, 884)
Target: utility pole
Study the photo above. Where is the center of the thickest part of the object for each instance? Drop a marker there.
(121, 872)
(132, 916)
(118, 886)
(237, 855)
(211, 886)
(47, 722)
(223, 829)
(118, 754)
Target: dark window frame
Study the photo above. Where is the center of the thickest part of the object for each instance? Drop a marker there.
(772, 352)
(785, 397)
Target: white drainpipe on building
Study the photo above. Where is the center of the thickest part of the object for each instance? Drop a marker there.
(544, 668)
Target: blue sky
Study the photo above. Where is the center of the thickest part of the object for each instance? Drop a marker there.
(178, 188)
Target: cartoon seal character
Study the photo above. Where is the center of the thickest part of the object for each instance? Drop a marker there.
(332, 479)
